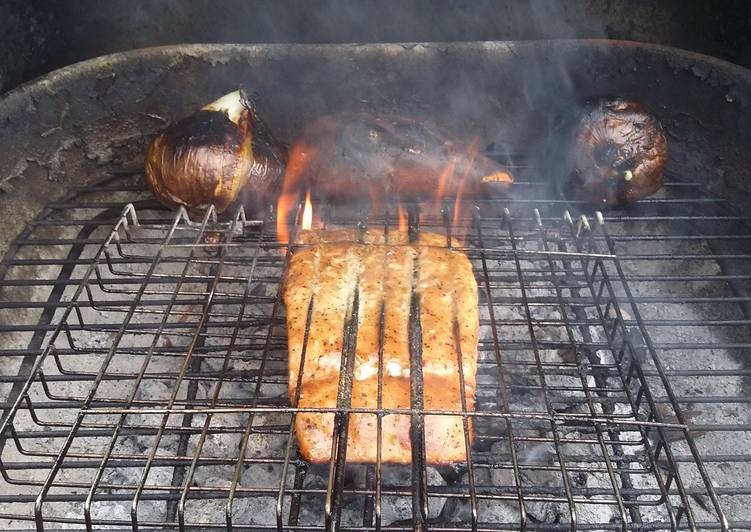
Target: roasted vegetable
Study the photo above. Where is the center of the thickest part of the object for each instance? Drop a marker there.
(616, 154)
(222, 155)
(349, 155)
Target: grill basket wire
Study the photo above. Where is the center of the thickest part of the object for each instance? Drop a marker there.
(146, 382)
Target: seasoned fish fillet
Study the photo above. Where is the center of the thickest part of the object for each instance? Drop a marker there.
(444, 434)
(326, 270)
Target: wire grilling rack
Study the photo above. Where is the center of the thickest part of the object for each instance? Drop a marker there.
(146, 381)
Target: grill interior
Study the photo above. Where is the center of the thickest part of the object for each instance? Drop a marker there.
(144, 372)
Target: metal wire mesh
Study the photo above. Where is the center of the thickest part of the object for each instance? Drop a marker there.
(146, 384)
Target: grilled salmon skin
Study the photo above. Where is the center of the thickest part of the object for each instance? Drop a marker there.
(385, 270)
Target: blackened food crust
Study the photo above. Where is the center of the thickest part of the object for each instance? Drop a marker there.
(617, 154)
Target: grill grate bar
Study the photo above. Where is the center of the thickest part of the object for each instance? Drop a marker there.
(599, 381)
(673, 402)
(563, 368)
(548, 403)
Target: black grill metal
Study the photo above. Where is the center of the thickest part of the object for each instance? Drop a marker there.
(144, 374)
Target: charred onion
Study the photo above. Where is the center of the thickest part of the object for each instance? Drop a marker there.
(222, 155)
(616, 155)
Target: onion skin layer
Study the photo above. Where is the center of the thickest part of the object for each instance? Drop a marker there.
(207, 158)
(617, 155)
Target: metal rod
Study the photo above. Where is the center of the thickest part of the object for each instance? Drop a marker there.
(604, 409)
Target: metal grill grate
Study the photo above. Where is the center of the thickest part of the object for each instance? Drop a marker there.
(145, 373)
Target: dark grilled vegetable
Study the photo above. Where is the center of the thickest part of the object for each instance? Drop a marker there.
(616, 154)
(349, 155)
(222, 155)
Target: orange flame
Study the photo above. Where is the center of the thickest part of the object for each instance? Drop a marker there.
(446, 174)
(403, 222)
(307, 213)
(299, 159)
(460, 232)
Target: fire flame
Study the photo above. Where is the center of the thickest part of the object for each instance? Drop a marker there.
(307, 213)
(452, 180)
(460, 232)
(299, 159)
(446, 174)
(403, 220)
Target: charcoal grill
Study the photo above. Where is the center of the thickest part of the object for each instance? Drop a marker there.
(145, 379)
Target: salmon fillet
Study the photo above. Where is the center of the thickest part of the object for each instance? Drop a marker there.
(326, 270)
